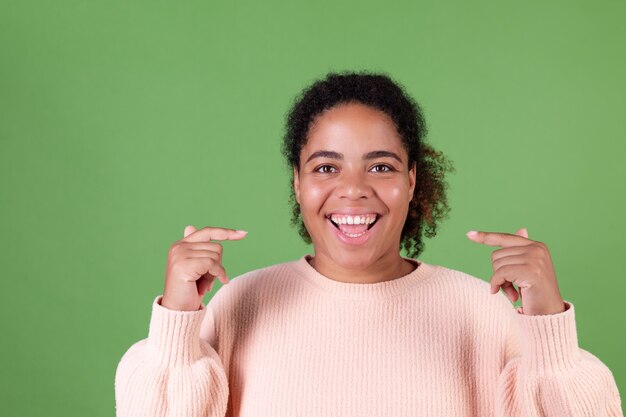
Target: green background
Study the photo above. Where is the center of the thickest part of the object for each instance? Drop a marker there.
(124, 121)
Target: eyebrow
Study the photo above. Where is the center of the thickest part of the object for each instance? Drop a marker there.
(369, 155)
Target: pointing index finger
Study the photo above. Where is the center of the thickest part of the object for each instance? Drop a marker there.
(498, 239)
(215, 233)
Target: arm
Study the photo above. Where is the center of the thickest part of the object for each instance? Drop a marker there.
(547, 374)
(172, 372)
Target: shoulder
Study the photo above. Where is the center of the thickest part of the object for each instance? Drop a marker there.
(254, 284)
(448, 276)
(464, 288)
(265, 275)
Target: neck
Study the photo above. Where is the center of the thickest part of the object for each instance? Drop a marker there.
(385, 268)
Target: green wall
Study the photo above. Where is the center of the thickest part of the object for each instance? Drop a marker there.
(123, 121)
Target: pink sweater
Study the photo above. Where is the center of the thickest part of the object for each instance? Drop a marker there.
(287, 341)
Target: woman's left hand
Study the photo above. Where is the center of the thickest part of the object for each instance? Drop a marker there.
(526, 263)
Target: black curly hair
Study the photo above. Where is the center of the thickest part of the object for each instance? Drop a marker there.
(377, 90)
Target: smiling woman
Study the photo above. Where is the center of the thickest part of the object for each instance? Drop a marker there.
(356, 328)
(356, 169)
(359, 108)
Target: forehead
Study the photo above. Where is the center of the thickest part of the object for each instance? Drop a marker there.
(353, 126)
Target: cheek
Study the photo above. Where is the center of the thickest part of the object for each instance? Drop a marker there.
(312, 196)
(395, 197)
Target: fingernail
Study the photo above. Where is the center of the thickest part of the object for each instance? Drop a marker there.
(471, 233)
(241, 231)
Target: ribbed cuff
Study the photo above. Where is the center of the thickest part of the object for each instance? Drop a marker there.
(175, 335)
(549, 342)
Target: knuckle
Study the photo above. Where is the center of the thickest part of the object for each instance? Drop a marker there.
(496, 262)
(540, 251)
(215, 264)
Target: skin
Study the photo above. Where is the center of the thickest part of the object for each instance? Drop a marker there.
(193, 263)
(526, 263)
(325, 185)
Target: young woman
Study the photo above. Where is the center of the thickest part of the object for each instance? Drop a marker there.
(357, 329)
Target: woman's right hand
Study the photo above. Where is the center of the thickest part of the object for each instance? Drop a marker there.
(193, 263)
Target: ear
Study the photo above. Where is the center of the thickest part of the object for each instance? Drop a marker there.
(412, 175)
(296, 184)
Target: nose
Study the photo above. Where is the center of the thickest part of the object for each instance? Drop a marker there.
(353, 186)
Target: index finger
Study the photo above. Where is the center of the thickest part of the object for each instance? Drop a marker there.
(215, 233)
(499, 239)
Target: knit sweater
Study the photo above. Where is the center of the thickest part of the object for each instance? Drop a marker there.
(286, 340)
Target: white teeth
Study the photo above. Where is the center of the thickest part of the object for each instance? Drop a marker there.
(354, 234)
(367, 219)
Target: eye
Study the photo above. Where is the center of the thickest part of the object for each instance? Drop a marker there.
(324, 169)
(387, 168)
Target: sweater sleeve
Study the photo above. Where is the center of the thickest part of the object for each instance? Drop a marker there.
(172, 372)
(547, 374)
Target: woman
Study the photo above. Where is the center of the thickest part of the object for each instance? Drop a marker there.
(357, 329)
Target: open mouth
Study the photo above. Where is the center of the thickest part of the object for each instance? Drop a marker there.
(354, 226)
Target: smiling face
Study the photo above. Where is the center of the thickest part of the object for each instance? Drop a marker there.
(353, 170)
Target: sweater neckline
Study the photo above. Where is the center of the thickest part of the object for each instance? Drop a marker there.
(376, 290)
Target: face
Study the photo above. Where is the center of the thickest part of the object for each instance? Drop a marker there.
(354, 171)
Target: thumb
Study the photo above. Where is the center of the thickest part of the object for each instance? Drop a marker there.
(188, 230)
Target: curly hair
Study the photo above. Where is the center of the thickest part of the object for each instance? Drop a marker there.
(429, 204)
